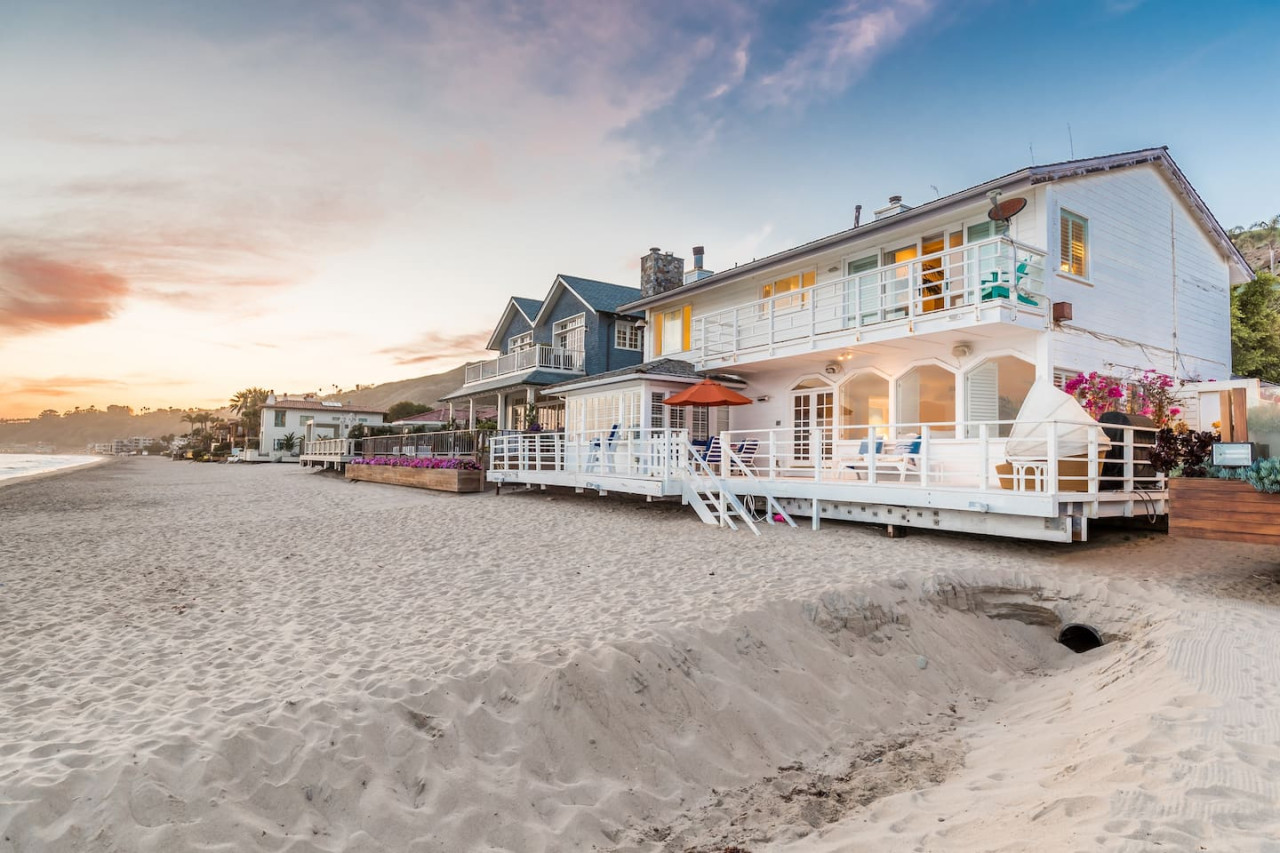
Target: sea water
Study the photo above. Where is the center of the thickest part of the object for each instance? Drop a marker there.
(25, 464)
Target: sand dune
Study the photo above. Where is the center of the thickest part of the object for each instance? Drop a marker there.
(233, 658)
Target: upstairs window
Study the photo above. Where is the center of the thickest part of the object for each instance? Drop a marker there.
(627, 335)
(792, 284)
(672, 332)
(1074, 243)
(520, 342)
(279, 419)
(570, 334)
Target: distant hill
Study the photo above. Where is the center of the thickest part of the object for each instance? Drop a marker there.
(426, 390)
(71, 432)
(1253, 245)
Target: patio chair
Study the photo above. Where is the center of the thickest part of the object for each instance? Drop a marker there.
(746, 452)
(712, 454)
(599, 450)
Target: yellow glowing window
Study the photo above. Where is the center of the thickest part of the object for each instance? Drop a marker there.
(791, 284)
(1074, 248)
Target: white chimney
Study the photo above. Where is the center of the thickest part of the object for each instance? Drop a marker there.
(895, 206)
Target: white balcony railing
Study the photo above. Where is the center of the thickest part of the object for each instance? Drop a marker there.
(994, 271)
(542, 356)
(966, 458)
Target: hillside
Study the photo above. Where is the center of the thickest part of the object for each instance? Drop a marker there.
(422, 389)
(1253, 245)
(71, 432)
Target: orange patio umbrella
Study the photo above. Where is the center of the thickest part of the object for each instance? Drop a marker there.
(707, 393)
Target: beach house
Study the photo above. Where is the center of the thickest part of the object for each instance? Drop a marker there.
(577, 329)
(888, 363)
(310, 421)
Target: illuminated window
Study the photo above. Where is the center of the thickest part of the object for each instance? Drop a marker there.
(1074, 247)
(791, 284)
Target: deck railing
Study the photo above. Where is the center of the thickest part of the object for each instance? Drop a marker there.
(948, 456)
(971, 456)
(994, 271)
(335, 448)
(448, 443)
(537, 356)
(645, 454)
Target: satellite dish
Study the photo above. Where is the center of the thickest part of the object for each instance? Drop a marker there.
(1003, 211)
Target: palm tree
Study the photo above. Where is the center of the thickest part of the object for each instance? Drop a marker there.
(248, 405)
(1269, 237)
(192, 418)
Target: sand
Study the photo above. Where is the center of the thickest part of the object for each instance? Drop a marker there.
(236, 658)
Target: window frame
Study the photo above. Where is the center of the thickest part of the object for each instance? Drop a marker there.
(280, 418)
(1066, 264)
(632, 332)
(520, 342)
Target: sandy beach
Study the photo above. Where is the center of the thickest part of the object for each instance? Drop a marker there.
(243, 658)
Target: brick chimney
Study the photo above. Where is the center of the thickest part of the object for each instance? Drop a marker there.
(660, 272)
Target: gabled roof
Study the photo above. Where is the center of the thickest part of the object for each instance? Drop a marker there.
(527, 308)
(599, 296)
(1028, 176)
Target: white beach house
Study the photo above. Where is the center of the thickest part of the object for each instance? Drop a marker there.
(887, 362)
(309, 421)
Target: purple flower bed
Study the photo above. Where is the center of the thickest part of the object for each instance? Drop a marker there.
(444, 463)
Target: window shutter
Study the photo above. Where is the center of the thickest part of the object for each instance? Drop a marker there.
(657, 335)
(686, 327)
(982, 393)
(1071, 242)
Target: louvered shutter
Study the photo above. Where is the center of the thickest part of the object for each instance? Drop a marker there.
(982, 395)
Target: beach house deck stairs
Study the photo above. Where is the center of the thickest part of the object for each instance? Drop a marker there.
(715, 502)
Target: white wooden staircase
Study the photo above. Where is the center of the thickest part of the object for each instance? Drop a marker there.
(712, 498)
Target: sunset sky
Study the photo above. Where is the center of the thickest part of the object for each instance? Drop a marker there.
(199, 197)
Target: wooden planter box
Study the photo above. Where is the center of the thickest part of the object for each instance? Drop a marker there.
(1230, 510)
(438, 479)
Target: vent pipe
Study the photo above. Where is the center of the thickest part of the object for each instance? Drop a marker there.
(857, 215)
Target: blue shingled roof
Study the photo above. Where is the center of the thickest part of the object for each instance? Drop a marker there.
(601, 295)
(528, 307)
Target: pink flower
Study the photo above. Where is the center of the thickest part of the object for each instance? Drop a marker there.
(1175, 411)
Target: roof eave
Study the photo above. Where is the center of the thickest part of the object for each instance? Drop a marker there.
(822, 244)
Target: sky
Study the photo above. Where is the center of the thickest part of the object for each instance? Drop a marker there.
(306, 195)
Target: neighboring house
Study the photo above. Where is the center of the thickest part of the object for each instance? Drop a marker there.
(440, 418)
(927, 327)
(309, 419)
(576, 330)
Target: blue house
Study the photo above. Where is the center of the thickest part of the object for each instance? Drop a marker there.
(576, 330)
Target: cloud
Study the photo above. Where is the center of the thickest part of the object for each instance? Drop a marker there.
(841, 46)
(41, 293)
(435, 347)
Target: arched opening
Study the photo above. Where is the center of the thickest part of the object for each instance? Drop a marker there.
(1080, 638)
(926, 395)
(864, 404)
(994, 391)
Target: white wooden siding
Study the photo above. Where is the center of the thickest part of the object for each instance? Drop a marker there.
(1130, 294)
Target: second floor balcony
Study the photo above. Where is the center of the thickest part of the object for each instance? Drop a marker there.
(994, 280)
(538, 356)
